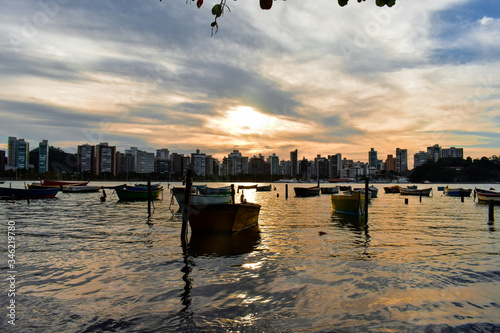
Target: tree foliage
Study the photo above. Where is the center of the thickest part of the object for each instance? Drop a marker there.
(219, 8)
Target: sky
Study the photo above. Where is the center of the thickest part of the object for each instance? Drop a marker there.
(306, 75)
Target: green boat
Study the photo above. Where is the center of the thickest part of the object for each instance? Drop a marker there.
(129, 193)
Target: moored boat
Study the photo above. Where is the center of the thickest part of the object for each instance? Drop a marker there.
(62, 183)
(485, 196)
(373, 191)
(392, 189)
(132, 193)
(223, 217)
(349, 202)
(214, 190)
(201, 199)
(264, 188)
(330, 190)
(29, 193)
(80, 189)
(457, 192)
(247, 187)
(306, 191)
(415, 191)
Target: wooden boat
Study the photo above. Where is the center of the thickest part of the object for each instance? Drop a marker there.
(345, 188)
(330, 190)
(485, 196)
(349, 202)
(420, 192)
(80, 189)
(247, 187)
(457, 192)
(40, 186)
(62, 183)
(264, 188)
(22, 193)
(223, 217)
(441, 188)
(340, 180)
(392, 189)
(412, 187)
(130, 193)
(146, 185)
(372, 189)
(306, 191)
(214, 190)
(201, 199)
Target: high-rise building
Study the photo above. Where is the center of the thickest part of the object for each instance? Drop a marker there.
(294, 163)
(3, 160)
(162, 160)
(401, 160)
(390, 163)
(453, 152)
(22, 149)
(198, 162)
(162, 154)
(434, 153)
(43, 156)
(12, 152)
(321, 166)
(145, 162)
(420, 158)
(372, 159)
(274, 162)
(85, 158)
(334, 165)
(105, 159)
(176, 163)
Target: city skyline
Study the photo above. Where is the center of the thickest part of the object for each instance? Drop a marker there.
(317, 78)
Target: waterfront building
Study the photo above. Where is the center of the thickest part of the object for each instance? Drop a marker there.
(105, 159)
(43, 156)
(162, 160)
(256, 165)
(285, 167)
(294, 171)
(401, 160)
(12, 152)
(372, 159)
(390, 163)
(334, 165)
(453, 152)
(85, 158)
(3, 160)
(420, 158)
(162, 154)
(321, 167)
(304, 169)
(198, 163)
(274, 162)
(22, 154)
(235, 163)
(434, 153)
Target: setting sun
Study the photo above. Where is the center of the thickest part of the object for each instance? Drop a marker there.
(246, 120)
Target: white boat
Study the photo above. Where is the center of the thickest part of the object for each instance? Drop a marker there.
(80, 189)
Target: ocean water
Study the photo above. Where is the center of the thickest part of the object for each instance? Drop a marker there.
(82, 265)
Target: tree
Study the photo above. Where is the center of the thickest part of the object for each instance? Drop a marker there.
(218, 9)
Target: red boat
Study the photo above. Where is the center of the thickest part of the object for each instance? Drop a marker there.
(62, 183)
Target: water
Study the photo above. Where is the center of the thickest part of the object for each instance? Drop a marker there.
(87, 266)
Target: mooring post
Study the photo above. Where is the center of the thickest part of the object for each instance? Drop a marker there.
(461, 197)
(232, 194)
(406, 201)
(185, 207)
(366, 198)
(149, 197)
(491, 211)
(286, 191)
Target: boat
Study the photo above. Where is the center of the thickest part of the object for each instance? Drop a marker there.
(372, 190)
(457, 192)
(213, 190)
(130, 193)
(485, 196)
(40, 186)
(330, 190)
(392, 189)
(412, 187)
(10, 193)
(157, 185)
(2, 181)
(345, 188)
(226, 218)
(415, 191)
(62, 183)
(247, 187)
(80, 189)
(264, 188)
(340, 180)
(349, 202)
(306, 191)
(201, 199)
(441, 188)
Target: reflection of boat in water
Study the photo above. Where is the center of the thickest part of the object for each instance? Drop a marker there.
(224, 244)
(353, 221)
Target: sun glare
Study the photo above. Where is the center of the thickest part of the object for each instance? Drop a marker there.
(246, 120)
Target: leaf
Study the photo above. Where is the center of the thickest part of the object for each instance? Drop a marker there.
(199, 3)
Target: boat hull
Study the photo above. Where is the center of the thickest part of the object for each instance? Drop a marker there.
(225, 218)
(485, 196)
(306, 191)
(23, 194)
(351, 203)
(128, 194)
(457, 192)
(62, 183)
(264, 188)
(329, 190)
(392, 189)
(410, 191)
(80, 189)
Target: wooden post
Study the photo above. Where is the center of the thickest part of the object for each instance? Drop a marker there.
(461, 197)
(366, 199)
(232, 194)
(286, 191)
(491, 211)
(406, 201)
(185, 207)
(149, 197)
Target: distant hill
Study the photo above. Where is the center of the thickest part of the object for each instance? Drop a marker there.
(458, 170)
(59, 160)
